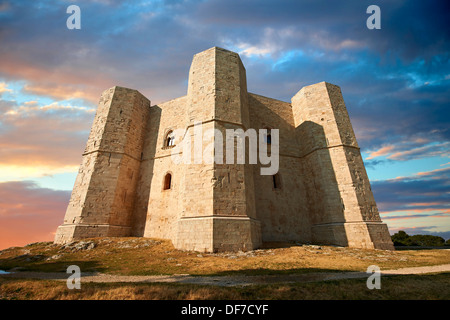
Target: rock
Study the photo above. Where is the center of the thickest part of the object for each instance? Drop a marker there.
(313, 246)
(77, 246)
(241, 253)
(55, 257)
(84, 245)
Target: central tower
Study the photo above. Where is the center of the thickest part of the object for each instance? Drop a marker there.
(218, 201)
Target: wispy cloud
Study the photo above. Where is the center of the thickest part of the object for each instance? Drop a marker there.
(420, 199)
(416, 216)
(381, 152)
(432, 150)
(38, 139)
(4, 88)
(395, 81)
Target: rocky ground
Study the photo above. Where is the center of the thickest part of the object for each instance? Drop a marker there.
(155, 257)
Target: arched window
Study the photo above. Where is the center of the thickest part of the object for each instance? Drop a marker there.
(169, 141)
(276, 181)
(167, 181)
(268, 136)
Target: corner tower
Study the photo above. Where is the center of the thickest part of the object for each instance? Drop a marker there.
(342, 207)
(102, 199)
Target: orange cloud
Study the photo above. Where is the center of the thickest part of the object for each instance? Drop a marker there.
(446, 212)
(381, 152)
(51, 135)
(65, 82)
(4, 88)
(63, 92)
(29, 214)
(425, 204)
(433, 172)
(421, 140)
(440, 149)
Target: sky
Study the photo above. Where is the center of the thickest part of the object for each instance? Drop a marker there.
(395, 82)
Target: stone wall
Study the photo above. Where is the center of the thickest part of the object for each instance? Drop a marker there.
(322, 193)
(282, 211)
(103, 196)
(218, 210)
(341, 201)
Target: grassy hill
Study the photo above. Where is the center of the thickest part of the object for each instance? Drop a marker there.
(142, 256)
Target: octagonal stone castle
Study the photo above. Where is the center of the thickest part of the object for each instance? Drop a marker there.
(129, 185)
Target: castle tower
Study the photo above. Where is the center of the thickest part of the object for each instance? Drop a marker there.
(342, 206)
(218, 199)
(129, 184)
(102, 199)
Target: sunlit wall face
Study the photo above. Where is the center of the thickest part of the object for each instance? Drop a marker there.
(395, 82)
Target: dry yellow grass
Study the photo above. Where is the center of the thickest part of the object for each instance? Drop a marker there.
(392, 288)
(140, 256)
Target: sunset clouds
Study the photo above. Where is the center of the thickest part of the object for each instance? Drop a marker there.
(37, 135)
(29, 213)
(395, 82)
(416, 201)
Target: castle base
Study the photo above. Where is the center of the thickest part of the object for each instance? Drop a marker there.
(71, 232)
(365, 235)
(218, 234)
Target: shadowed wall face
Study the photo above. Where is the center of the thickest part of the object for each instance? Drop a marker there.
(344, 211)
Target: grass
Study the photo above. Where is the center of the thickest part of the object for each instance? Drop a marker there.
(421, 287)
(140, 256)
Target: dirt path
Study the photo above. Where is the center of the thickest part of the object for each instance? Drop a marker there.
(226, 280)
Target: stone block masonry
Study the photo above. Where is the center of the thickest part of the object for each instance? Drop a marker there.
(321, 193)
(102, 200)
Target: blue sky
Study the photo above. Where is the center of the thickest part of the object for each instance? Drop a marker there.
(395, 83)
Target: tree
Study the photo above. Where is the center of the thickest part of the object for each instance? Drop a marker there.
(401, 238)
(427, 240)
